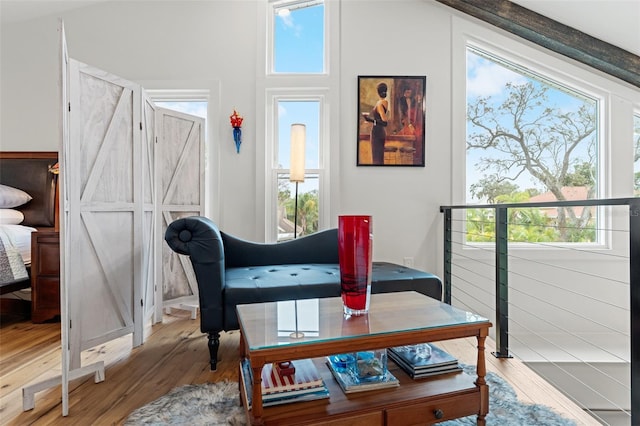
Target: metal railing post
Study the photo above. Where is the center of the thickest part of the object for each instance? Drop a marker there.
(502, 285)
(634, 300)
(447, 256)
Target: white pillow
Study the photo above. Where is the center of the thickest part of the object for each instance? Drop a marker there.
(12, 197)
(11, 217)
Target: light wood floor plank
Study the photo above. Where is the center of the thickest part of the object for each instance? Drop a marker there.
(529, 387)
(175, 354)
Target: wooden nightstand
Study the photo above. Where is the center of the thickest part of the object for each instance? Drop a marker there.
(45, 275)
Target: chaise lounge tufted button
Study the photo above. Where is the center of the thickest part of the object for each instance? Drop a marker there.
(185, 236)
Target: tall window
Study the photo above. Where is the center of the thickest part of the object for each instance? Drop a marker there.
(298, 37)
(297, 47)
(306, 112)
(529, 138)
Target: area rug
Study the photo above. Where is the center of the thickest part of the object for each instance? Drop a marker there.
(505, 409)
(205, 404)
(219, 404)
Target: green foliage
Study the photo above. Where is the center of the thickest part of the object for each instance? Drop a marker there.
(524, 225)
(308, 211)
(492, 187)
(583, 175)
(284, 193)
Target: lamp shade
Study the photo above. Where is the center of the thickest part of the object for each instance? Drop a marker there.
(298, 139)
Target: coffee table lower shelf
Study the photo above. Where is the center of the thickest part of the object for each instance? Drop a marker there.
(414, 402)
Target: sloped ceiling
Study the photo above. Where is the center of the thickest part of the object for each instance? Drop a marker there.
(616, 22)
(558, 37)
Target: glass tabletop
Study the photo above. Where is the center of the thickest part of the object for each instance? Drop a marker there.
(299, 322)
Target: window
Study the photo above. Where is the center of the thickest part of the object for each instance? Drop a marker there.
(297, 45)
(530, 138)
(307, 112)
(298, 37)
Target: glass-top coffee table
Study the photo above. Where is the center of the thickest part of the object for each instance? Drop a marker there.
(269, 333)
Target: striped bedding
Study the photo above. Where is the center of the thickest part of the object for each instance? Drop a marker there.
(12, 264)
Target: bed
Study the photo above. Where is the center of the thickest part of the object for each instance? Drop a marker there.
(28, 202)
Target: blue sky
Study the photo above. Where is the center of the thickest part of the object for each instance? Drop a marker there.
(299, 40)
(299, 48)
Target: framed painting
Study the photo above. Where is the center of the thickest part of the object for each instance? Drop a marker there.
(391, 121)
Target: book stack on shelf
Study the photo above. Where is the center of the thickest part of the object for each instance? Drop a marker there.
(350, 382)
(304, 384)
(423, 360)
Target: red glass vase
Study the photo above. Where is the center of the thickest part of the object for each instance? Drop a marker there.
(355, 250)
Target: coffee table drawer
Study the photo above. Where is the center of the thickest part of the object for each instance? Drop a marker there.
(445, 409)
(365, 419)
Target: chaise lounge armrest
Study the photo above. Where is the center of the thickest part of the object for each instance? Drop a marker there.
(199, 238)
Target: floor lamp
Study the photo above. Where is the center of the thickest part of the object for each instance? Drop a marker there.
(296, 173)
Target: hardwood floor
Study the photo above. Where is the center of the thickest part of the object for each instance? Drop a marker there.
(175, 354)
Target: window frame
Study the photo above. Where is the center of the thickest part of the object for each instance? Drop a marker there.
(271, 22)
(531, 74)
(611, 116)
(274, 96)
(268, 85)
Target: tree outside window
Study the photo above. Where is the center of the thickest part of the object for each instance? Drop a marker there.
(529, 139)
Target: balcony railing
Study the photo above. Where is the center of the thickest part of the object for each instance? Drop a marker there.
(571, 310)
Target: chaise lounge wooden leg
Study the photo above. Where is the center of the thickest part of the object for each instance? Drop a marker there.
(214, 344)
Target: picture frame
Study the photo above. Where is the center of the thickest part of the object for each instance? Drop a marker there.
(400, 139)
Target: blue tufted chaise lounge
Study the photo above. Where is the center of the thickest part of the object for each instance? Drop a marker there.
(231, 271)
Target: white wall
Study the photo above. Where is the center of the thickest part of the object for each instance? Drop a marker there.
(212, 45)
(404, 202)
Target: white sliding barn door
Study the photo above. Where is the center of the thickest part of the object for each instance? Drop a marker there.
(180, 169)
(105, 209)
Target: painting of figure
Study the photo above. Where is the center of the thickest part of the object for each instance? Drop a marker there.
(391, 121)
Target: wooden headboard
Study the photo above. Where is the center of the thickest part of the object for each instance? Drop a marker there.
(29, 171)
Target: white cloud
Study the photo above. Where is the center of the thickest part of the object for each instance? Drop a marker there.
(287, 20)
(286, 17)
(486, 78)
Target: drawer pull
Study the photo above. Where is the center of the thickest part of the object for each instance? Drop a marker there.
(438, 413)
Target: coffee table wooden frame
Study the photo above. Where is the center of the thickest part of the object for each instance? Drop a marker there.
(413, 402)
